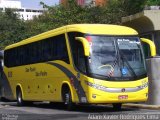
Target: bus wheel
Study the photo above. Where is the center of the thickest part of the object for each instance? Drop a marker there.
(117, 106)
(67, 98)
(20, 101)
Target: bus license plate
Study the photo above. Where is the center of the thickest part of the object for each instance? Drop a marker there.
(123, 97)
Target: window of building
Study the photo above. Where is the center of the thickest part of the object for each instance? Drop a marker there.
(28, 10)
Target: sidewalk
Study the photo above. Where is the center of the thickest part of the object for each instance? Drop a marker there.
(142, 106)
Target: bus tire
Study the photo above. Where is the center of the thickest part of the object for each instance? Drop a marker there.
(20, 101)
(117, 106)
(67, 98)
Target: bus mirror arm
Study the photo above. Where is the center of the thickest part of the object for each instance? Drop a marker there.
(85, 45)
(151, 45)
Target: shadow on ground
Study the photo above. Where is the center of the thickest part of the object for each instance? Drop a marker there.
(77, 108)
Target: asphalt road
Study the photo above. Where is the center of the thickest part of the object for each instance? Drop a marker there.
(45, 111)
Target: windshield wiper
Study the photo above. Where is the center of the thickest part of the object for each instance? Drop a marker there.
(94, 74)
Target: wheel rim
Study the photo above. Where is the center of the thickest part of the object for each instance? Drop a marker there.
(67, 98)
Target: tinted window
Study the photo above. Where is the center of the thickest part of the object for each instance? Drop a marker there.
(53, 48)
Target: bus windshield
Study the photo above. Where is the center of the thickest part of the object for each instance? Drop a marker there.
(116, 58)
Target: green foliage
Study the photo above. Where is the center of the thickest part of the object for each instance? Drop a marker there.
(133, 6)
(72, 13)
(153, 2)
(12, 29)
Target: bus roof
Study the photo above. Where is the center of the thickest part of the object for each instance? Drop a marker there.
(98, 29)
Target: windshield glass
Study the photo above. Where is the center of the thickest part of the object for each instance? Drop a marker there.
(118, 58)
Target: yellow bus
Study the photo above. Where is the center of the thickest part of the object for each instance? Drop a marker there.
(77, 64)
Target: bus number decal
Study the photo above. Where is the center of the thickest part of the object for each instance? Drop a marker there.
(35, 71)
(41, 73)
(30, 69)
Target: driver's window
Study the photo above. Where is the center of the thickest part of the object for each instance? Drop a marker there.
(77, 51)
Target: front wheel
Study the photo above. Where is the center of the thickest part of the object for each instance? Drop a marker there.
(20, 101)
(67, 98)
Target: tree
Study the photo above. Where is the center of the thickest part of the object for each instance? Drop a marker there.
(152, 2)
(110, 13)
(133, 6)
(11, 28)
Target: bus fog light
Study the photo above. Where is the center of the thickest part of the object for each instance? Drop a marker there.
(93, 95)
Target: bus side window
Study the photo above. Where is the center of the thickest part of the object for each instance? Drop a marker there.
(62, 52)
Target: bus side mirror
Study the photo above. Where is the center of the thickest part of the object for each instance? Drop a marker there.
(151, 45)
(85, 45)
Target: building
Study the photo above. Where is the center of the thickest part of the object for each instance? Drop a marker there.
(25, 13)
(87, 2)
(101, 2)
(147, 24)
(10, 4)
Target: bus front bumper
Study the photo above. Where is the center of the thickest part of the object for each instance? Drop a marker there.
(139, 96)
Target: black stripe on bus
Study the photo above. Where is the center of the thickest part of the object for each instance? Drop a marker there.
(80, 91)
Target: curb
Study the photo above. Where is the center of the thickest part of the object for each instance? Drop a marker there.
(142, 106)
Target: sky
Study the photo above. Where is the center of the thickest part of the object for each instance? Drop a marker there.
(35, 3)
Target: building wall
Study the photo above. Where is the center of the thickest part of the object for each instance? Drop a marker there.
(10, 4)
(86, 2)
(79, 2)
(157, 41)
(28, 14)
(147, 25)
(101, 2)
(64, 2)
(25, 14)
